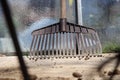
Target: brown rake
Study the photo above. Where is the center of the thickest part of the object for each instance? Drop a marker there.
(64, 39)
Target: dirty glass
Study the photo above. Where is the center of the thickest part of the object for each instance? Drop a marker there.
(104, 16)
(6, 45)
(29, 15)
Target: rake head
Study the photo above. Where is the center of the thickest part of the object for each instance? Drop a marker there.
(64, 39)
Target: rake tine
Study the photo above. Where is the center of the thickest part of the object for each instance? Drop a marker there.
(96, 43)
(99, 45)
(77, 44)
(87, 44)
(42, 46)
(34, 51)
(49, 44)
(53, 45)
(38, 47)
(83, 43)
(31, 47)
(74, 44)
(89, 41)
(31, 52)
(93, 43)
(80, 44)
(60, 44)
(45, 50)
(73, 40)
(57, 44)
(70, 44)
(66, 40)
(64, 43)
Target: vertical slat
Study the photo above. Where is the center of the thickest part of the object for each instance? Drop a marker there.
(90, 47)
(60, 47)
(74, 44)
(53, 36)
(49, 45)
(31, 47)
(61, 43)
(99, 44)
(42, 43)
(34, 51)
(86, 43)
(77, 44)
(67, 42)
(57, 44)
(80, 43)
(45, 49)
(64, 43)
(83, 43)
(69, 45)
(38, 46)
(94, 41)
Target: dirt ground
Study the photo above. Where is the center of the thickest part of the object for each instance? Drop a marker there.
(58, 69)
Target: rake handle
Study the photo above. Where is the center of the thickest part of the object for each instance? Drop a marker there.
(63, 8)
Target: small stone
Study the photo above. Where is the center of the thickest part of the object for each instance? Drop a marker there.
(87, 58)
(77, 75)
(117, 72)
(110, 73)
(79, 78)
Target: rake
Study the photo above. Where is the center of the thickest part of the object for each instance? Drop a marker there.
(64, 39)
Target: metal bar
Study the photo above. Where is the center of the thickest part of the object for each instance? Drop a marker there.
(64, 44)
(34, 51)
(90, 47)
(60, 47)
(61, 43)
(67, 42)
(72, 42)
(38, 46)
(45, 49)
(57, 44)
(13, 34)
(80, 42)
(77, 44)
(49, 45)
(83, 43)
(53, 44)
(99, 44)
(42, 43)
(31, 52)
(93, 42)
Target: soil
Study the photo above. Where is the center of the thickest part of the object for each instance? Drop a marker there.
(84, 68)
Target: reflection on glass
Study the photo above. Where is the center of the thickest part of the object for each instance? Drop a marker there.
(29, 15)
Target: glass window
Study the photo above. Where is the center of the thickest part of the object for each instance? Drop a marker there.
(29, 15)
(104, 16)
